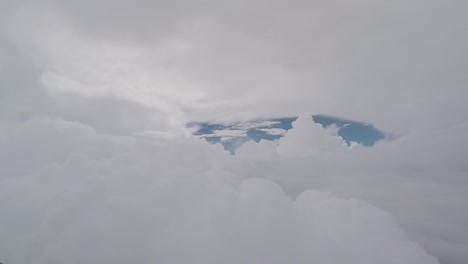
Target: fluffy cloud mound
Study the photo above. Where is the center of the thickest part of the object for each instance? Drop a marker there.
(97, 164)
(69, 195)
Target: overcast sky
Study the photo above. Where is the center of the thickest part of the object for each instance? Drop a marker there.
(97, 164)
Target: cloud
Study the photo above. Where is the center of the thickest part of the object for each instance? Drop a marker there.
(227, 134)
(274, 131)
(405, 177)
(368, 61)
(95, 98)
(85, 197)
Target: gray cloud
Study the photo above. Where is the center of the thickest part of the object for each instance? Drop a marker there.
(88, 88)
(79, 196)
(323, 57)
(421, 183)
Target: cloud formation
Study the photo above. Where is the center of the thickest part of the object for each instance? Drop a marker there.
(97, 165)
(77, 196)
(371, 61)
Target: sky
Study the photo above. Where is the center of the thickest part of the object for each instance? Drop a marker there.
(99, 162)
(234, 135)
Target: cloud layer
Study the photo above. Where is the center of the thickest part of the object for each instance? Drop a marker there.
(97, 164)
(388, 64)
(71, 195)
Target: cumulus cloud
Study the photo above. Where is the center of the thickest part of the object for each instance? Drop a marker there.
(97, 165)
(83, 197)
(410, 178)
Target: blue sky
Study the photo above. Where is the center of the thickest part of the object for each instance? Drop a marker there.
(270, 129)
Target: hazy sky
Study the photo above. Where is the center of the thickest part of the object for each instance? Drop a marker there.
(97, 164)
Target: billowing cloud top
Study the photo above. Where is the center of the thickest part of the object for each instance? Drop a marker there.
(97, 164)
(77, 196)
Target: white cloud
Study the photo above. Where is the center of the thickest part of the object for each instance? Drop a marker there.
(256, 124)
(372, 61)
(100, 199)
(226, 134)
(406, 177)
(91, 104)
(274, 131)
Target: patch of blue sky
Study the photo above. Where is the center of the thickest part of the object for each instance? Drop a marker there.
(352, 131)
(273, 129)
